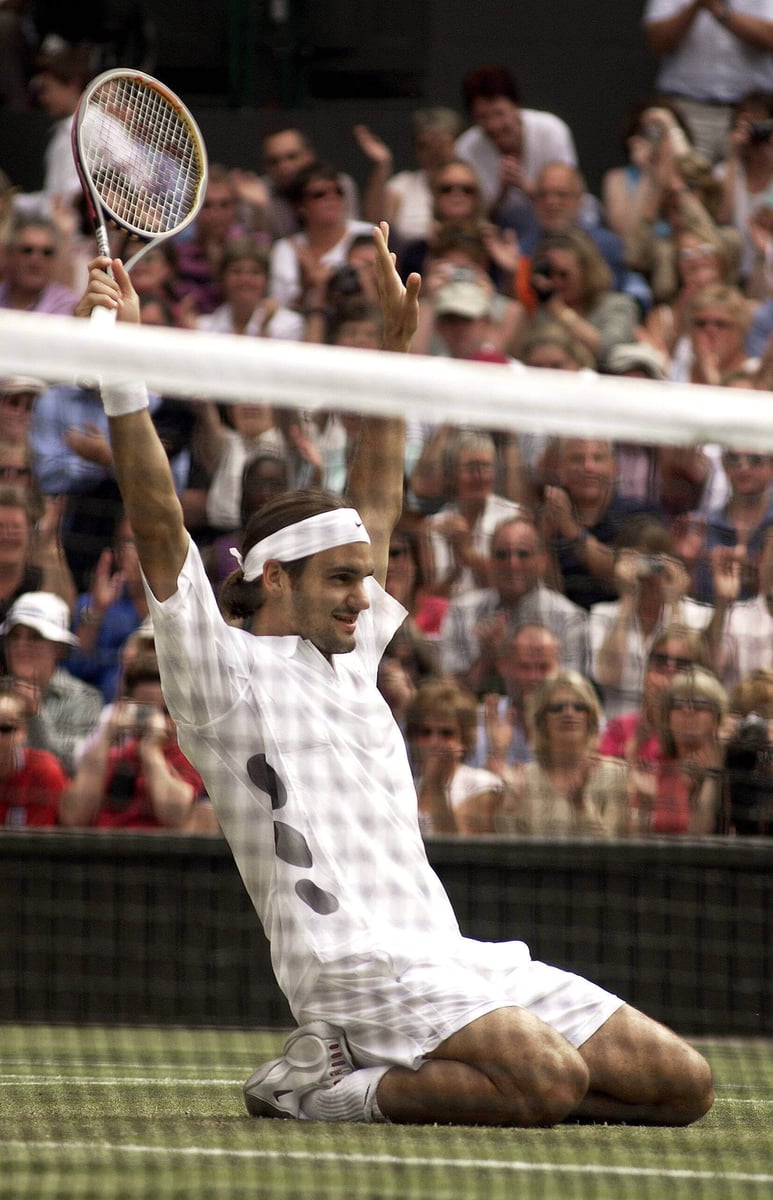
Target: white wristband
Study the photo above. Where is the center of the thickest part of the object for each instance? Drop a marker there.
(118, 399)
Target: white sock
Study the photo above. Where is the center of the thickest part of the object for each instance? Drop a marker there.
(353, 1098)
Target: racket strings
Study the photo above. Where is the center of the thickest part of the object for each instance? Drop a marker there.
(141, 155)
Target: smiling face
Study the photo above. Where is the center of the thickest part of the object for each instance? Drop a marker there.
(566, 719)
(456, 193)
(323, 603)
(517, 560)
(500, 119)
(586, 469)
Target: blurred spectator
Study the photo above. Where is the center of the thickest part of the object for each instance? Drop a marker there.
(458, 536)
(264, 476)
(31, 781)
(738, 526)
(72, 459)
(581, 514)
(558, 208)
(411, 658)
(31, 558)
(462, 314)
(526, 657)
(677, 191)
(201, 247)
(713, 53)
(405, 200)
(702, 260)
(29, 284)
(18, 41)
(652, 584)
(134, 775)
(568, 790)
(748, 757)
(684, 794)
(635, 736)
(746, 641)
(300, 262)
(620, 186)
(574, 287)
(269, 199)
(440, 731)
(479, 623)
(246, 308)
(508, 145)
(113, 607)
(17, 396)
(61, 709)
(747, 171)
(61, 73)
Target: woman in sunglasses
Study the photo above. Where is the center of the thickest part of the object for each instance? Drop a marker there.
(441, 731)
(569, 790)
(300, 265)
(686, 793)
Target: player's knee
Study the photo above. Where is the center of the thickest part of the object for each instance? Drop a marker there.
(696, 1094)
(554, 1091)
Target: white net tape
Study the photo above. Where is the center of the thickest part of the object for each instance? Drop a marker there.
(249, 370)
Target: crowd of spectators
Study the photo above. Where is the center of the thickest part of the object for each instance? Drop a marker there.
(589, 642)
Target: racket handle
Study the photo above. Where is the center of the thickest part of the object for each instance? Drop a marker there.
(103, 316)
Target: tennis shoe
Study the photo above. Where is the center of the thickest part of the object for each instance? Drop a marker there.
(315, 1056)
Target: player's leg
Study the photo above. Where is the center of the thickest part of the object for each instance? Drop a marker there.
(643, 1073)
(505, 1068)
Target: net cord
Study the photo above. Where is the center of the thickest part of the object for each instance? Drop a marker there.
(224, 367)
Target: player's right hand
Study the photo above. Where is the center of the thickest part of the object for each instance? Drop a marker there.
(109, 286)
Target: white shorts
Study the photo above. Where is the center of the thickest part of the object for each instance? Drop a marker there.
(398, 1018)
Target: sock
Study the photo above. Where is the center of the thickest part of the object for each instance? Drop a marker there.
(353, 1098)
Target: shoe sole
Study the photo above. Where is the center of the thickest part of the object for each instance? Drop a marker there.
(262, 1108)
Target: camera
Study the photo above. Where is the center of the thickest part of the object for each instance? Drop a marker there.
(541, 271)
(653, 132)
(749, 768)
(651, 564)
(760, 131)
(345, 282)
(143, 713)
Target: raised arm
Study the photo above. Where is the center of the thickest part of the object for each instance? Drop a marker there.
(375, 485)
(140, 460)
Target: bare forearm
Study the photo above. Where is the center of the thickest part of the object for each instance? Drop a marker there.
(171, 797)
(664, 36)
(82, 800)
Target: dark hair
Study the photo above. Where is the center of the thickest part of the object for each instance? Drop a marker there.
(450, 699)
(315, 170)
(240, 599)
(354, 309)
(142, 669)
(632, 121)
(646, 533)
(489, 83)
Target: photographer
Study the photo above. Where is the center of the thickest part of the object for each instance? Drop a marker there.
(749, 756)
(747, 175)
(652, 585)
(573, 285)
(132, 774)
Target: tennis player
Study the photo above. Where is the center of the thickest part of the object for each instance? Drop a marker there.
(400, 1017)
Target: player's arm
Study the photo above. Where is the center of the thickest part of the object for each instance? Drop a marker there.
(140, 461)
(375, 485)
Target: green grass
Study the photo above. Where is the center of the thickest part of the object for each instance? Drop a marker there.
(157, 1113)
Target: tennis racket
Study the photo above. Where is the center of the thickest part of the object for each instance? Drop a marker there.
(141, 160)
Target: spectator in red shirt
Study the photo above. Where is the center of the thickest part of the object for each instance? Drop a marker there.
(132, 773)
(31, 781)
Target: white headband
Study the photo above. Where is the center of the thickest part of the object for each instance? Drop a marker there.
(322, 532)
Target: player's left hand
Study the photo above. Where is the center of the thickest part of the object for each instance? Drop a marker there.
(399, 301)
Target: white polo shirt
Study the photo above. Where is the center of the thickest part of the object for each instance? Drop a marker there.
(310, 779)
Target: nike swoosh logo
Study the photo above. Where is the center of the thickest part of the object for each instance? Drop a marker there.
(358, 524)
(286, 1092)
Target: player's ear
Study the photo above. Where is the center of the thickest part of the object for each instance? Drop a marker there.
(275, 578)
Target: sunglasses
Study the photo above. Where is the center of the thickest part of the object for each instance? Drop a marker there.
(8, 728)
(697, 703)
(322, 193)
(15, 472)
(446, 732)
(665, 661)
(505, 555)
(46, 251)
(735, 458)
(467, 189)
(713, 323)
(562, 706)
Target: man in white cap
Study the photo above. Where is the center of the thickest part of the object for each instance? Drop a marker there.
(62, 710)
(17, 396)
(401, 1018)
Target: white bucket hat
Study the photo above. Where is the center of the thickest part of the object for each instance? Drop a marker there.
(44, 612)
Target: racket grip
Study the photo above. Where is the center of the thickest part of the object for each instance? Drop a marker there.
(103, 316)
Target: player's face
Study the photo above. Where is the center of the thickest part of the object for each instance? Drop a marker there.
(327, 599)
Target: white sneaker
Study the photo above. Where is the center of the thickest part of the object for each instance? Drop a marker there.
(315, 1056)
